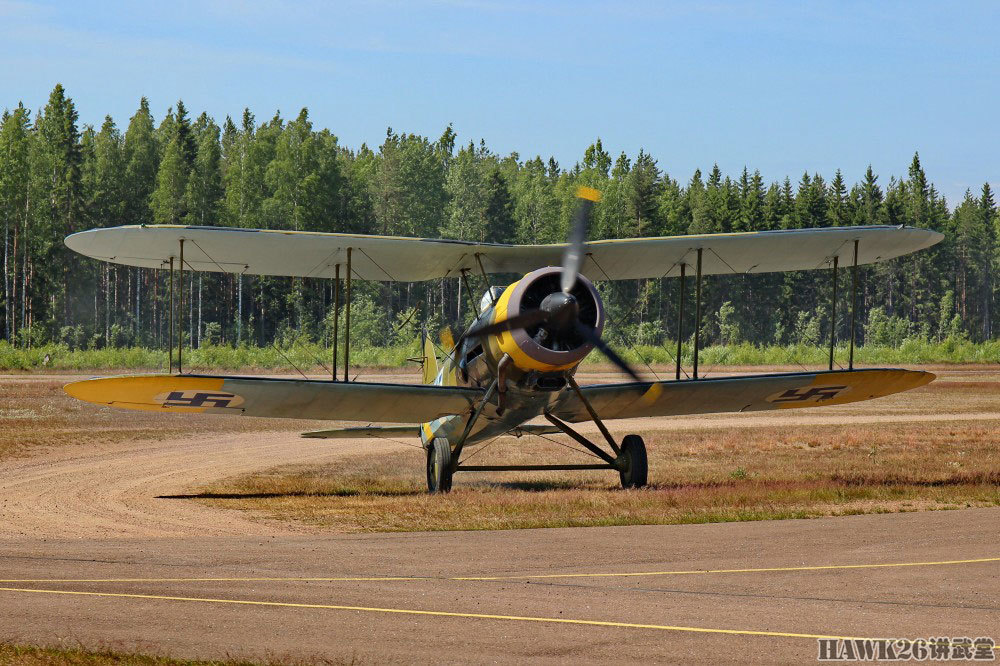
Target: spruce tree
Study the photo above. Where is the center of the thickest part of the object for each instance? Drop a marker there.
(643, 193)
(58, 207)
(171, 186)
(15, 182)
(204, 187)
(140, 155)
(837, 202)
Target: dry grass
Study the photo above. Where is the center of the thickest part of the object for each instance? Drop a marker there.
(704, 471)
(40, 656)
(35, 413)
(29, 655)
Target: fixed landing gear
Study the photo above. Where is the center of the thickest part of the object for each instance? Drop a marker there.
(439, 469)
(630, 462)
(633, 466)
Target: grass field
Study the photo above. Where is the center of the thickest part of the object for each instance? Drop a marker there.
(899, 453)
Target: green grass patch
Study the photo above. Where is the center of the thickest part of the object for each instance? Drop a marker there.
(315, 358)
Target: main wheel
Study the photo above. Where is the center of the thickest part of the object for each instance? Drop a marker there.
(635, 466)
(439, 466)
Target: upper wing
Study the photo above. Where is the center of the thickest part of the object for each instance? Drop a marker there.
(281, 398)
(315, 254)
(740, 394)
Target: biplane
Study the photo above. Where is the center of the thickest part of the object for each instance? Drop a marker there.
(517, 361)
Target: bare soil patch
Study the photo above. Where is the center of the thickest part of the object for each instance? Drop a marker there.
(36, 415)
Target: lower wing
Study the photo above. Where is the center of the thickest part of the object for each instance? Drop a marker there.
(387, 432)
(739, 394)
(278, 398)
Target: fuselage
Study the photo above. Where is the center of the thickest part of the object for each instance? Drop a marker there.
(530, 366)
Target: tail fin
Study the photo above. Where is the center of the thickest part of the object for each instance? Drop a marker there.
(430, 361)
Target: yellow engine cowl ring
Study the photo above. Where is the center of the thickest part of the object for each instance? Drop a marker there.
(528, 354)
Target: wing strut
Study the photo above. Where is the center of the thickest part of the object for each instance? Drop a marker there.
(854, 302)
(697, 315)
(680, 321)
(180, 312)
(833, 311)
(486, 280)
(468, 290)
(347, 320)
(336, 318)
(170, 328)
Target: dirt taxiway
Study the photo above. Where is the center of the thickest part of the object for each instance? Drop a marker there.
(91, 553)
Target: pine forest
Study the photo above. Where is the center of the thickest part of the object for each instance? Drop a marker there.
(59, 176)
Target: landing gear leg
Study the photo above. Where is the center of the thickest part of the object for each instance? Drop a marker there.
(630, 458)
(439, 468)
(502, 383)
(633, 464)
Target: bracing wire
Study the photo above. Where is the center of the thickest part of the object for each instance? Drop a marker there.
(621, 319)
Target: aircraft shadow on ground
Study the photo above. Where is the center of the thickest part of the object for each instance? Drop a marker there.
(523, 486)
(547, 485)
(334, 493)
(526, 486)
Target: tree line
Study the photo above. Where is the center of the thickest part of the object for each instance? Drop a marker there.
(58, 177)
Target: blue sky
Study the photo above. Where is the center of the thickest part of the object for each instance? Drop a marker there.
(779, 86)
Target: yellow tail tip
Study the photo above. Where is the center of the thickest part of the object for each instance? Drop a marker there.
(588, 193)
(447, 339)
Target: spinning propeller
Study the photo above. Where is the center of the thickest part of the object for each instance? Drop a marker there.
(558, 314)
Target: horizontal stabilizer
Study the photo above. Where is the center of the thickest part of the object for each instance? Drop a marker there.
(358, 432)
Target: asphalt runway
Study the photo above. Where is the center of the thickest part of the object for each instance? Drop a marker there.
(91, 553)
(735, 592)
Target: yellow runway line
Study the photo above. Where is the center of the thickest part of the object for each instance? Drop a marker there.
(822, 567)
(476, 616)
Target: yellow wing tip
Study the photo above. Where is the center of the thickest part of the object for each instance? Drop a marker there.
(144, 392)
(588, 193)
(76, 389)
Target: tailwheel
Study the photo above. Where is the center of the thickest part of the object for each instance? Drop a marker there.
(439, 469)
(633, 465)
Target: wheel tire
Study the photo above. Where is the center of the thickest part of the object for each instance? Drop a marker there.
(634, 471)
(439, 466)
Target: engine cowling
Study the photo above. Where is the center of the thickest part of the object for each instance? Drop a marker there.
(538, 347)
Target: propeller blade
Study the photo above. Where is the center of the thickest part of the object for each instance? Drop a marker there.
(523, 320)
(573, 258)
(590, 335)
(654, 390)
